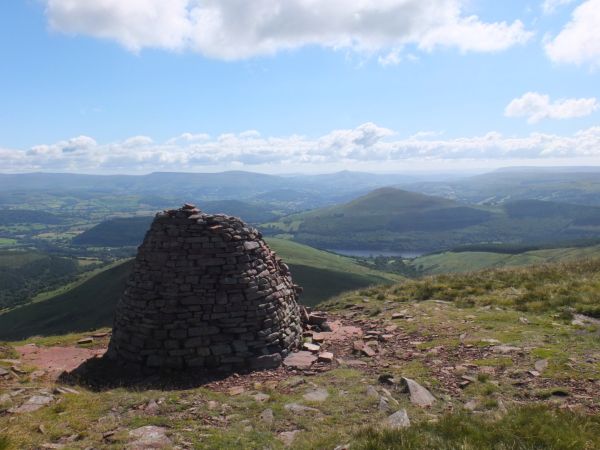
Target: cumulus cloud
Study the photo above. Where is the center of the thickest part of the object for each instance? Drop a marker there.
(537, 107)
(366, 144)
(579, 41)
(239, 29)
(550, 6)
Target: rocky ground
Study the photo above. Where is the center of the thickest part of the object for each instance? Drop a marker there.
(367, 361)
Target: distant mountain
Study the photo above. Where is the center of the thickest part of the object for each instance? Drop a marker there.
(130, 231)
(579, 186)
(399, 220)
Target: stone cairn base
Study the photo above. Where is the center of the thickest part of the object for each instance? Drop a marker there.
(206, 293)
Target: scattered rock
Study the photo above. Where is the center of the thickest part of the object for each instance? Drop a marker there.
(100, 335)
(287, 437)
(65, 390)
(5, 399)
(372, 392)
(236, 390)
(87, 340)
(533, 373)
(343, 447)
(505, 349)
(541, 365)
(316, 318)
(261, 397)
(300, 360)
(33, 404)
(472, 405)
(361, 347)
(386, 378)
(212, 405)
(326, 357)
(401, 314)
(384, 405)
(418, 394)
(524, 320)
(313, 348)
(152, 408)
(398, 420)
(317, 395)
(299, 409)
(318, 337)
(149, 437)
(4, 372)
(267, 416)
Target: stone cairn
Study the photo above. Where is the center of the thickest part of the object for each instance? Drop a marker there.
(206, 293)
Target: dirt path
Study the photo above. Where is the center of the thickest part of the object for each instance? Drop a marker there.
(55, 360)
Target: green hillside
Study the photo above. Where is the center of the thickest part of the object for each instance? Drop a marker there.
(28, 217)
(393, 219)
(90, 304)
(579, 185)
(457, 262)
(23, 274)
(130, 231)
(87, 306)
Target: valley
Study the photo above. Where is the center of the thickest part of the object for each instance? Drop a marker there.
(491, 307)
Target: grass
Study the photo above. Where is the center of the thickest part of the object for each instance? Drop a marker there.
(564, 287)
(527, 428)
(7, 242)
(460, 262)
(444, 341)
(87, 306)
(303, 255)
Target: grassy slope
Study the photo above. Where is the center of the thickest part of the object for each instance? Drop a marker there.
(87, 306)
(451, 262)
(394, 219)
(90, 303)
(513, 409)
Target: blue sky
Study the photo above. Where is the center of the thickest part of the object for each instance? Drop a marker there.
(318, 85)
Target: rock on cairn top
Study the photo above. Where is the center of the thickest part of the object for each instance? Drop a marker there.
(206, 293)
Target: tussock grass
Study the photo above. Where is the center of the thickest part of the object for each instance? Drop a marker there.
(573, 286)
(4, 442)
(7, 351)
(532, 427)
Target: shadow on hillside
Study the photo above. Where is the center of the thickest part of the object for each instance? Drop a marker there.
(101, 374)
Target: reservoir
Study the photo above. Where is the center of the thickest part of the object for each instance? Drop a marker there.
(374, 253)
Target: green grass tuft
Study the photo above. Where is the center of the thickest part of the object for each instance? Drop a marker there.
(531, 427)
(4, 442)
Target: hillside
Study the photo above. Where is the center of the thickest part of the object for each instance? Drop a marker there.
(397, 220)
(87, 306)
(25, 216)
(130, 231)
(23, 274)
(579, 185)
(495, 360)
(457, 262)
(90, 304)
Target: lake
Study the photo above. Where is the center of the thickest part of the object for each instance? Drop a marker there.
(372, 253)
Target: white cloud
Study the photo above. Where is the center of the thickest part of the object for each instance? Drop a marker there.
(537, 107)
(238, 29)
(366, 145)
(550, 6)
(579, 41)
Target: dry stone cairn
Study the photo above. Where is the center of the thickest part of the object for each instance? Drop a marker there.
(206, 293)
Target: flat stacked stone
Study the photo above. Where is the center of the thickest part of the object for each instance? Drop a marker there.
(206, 292)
